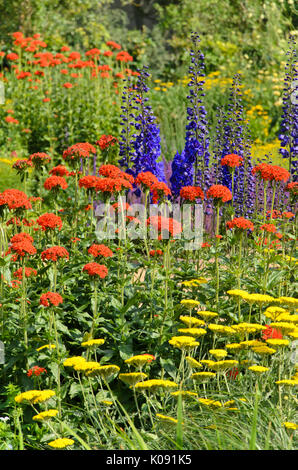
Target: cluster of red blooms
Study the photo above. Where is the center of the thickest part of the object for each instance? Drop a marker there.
(106, 141)
(21, 245)
(14, 199)
(49, 221)
(293, 188)
(12, 120)
(240, 223)
(271, 333)
(28, 273)
(54, 182)
(50, 298)
(17, 221)
(100, 250)
(159, 191)
(36, 371)
(219, 193)
(168, 224)
(270, 228)
(54, 253)
(78, 151)
(39, 158)
(278, 214)
(146, 180)
(191, 193)
(271, 172)
(155, 252)
(95, 269)
(59, 170)
(112, 185)
(88, 182)
(232, 160)
(22, 165)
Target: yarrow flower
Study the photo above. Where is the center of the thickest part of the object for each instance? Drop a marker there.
(45, 415)
(61, 443)
(34, 396)
(155, 385)
(140, 359)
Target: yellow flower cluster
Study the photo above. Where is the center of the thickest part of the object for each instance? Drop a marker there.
(132, 378)
(194, 282)
(61, 443)
(189, 303)
(196, 332)
(45, 415)
(218, 353)
(93, 342)
(202, 376)
(139, 360)
(258, 369)
(155, 385)
(191, 321)
(167, 419)
(206, 314)
(221, 329)
(183, 342)
(193, 362)
(34, 396)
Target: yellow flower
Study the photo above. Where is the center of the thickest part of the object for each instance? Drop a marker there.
(167, 419)
(207, 362)
(223, 365)
(34, 396)
(190, 303)
(139, 360)
(105, 371)
(252, 343)
(263, 350)
(274, 312)
(191, 321)
(45, 415)
(48, 346)
(285, 327)
(184, 393)
(290, 425)
(73, 361)
(183, 342)
(193, 331)
(193, 362)
(107, 402)
(259, 298)
(237, 292)
(290, 301)
(206, 314)
(221, 329)
(202, 376)
(290, 382)
(132, 378)
(249, 327)
(234, 346)
(210, 403)
(155, 384)
(258, 369)
(93, 342)
(218, 353)
(194, 282)
(61, 443)
(85, 366)
(278, 342)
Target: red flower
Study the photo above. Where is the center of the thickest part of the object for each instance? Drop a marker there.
(167, 224)
(22, 248)
(28, 273)
(205, 245)
(113, 45)
(88, 182)
(50, 298)
(15, 199)
(106, 141)
(268, 228)
(54, 253)
(220, 193)
(109, 186)
(100, 250)
(155, 252)
(20, 237)
(232, 373)
(146, 179)
(93, 52)
(240, 223)
(67, 85)
(288, 215)
(36, 370)
(232, 160)
(95, 269)
(271, 172)
(110, 171)
(22, 165)
(49, 221)
(39, 158)
(53, 182)
(159, 190)
(59, 170)
(124, 56)
(191, 193)
(79, 150)
(12, 56)
(271, 333)
(293, 188)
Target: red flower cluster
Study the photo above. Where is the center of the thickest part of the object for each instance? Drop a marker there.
(21, 245)
(28, 273)
(159, 191)
(106, 141)
(79, 150)
(100, 250)
(191, 193)
(232, 160)
(49, 221)
(271, 172)
(59, 170)
(36, 370)
(146, 179)
(112, 185)
(271, 333)
(54, 182)
(22, 165)
(95, 269)
(88, 182)
(50, 298)
(240, 223)
(220, 193)
(113, 45)
(39, 158)
(93, 52)
(270, 228)
(155, 252)
(14, 199)
(168, 224)
(54, 253)
(124, 56)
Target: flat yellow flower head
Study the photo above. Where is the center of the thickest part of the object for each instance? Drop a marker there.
(61, 443)
(93, 342)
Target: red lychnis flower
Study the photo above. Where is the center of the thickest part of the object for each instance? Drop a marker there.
(54, 182)
(39, 158)
(29, 272)
(219, 193)
(49, 221)
(54, 253)
(268, 228)
(50, 298)
(191, 193)
(109, 186)
(271, 333)
(59, 170)
(293, 188)
(36, 370)
(77, 151)
(159, 191)
(100, 250)
(165, 224)
(106, 141)
(88, 182)
(271, 172)
(15, 199)
(95, 269)
(155, 252)
(22, 165)
(232, 160)
(240, 223)
(146, 179)
(21, 249)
